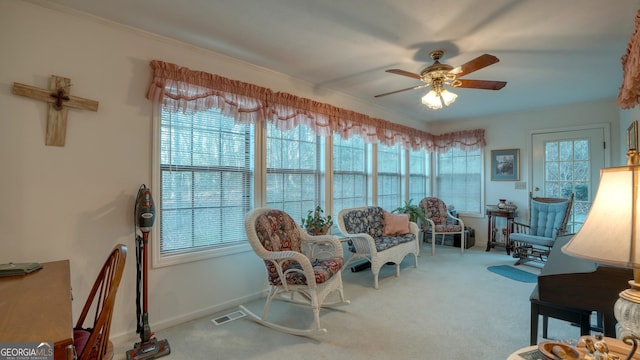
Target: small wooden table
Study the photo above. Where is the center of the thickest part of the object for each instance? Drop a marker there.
(493, 212)
(37, 307)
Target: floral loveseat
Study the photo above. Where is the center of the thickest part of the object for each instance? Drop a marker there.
(379, 237)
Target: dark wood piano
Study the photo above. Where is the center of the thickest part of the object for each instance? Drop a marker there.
(569, 286)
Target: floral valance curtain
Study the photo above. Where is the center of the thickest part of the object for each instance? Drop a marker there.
(630, 89)
(179, 89)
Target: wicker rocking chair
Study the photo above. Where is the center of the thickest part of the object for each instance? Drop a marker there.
(301, 268)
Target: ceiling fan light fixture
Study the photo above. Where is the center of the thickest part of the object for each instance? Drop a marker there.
(437, 75)
(432, 100)
(448, 97)
(437, 96)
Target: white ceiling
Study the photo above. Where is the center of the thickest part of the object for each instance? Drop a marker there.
(551, 52)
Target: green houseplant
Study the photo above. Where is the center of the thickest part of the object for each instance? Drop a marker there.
(316, 223)
(414, 211)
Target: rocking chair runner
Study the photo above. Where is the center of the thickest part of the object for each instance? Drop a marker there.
(547, 220)
(297, 263)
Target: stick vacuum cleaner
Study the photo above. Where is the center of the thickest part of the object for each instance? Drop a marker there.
(148, 347)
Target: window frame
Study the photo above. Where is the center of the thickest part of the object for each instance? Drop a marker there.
(436, 171)
(318, 173)
(366, 172)
(178, 257)
(398, 177)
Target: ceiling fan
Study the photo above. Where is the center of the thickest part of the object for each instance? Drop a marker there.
(438, 75)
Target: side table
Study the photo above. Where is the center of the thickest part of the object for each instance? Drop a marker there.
(616, 347)
(493, 212)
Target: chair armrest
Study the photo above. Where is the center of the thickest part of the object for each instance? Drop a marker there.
(320, 246)
(460, 222)
(276, 256)
(520, 228)
(429, 225)
(415, 230)
(363, 243)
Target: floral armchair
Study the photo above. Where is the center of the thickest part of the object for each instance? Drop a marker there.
(378, 237)
(297, 264)
(440, 222)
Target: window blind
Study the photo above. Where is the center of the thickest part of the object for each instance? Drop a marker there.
(206, 171)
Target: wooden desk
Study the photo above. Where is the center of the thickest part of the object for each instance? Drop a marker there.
(37, 307)
(493, 212)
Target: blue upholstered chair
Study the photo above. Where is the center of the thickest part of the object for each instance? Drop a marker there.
(548, 219)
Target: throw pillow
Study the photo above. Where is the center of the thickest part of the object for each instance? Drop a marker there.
(395, 224)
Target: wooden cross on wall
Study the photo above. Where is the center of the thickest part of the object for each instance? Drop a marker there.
(59, 100)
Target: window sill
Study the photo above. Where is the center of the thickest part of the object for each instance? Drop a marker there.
(159, 260)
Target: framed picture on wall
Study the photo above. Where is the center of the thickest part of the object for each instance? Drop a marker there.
(505, 165)
(632, 136)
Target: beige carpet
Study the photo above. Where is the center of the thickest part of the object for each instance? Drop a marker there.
(450, 307)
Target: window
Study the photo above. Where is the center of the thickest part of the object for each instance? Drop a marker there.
(459, 179)
(389, 176)
(206, 169)
(568, 170)
(419, 179)
(206, 177)
(294, 176)
(350, 158)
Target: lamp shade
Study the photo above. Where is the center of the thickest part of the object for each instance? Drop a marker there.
(610, 234)
(448, 97)
(432, 100)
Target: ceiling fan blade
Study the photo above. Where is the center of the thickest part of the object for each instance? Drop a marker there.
(473, 65)
(479, 84)
(397, 91)
(403, 73)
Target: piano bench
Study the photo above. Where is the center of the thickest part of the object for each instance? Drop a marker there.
(580, 317)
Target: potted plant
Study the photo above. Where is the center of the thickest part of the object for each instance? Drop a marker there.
(414, 211)
(316, 223)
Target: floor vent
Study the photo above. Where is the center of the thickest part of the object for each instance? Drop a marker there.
(228, 317)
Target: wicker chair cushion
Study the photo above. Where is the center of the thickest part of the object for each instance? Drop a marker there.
(370, 221)
(387, 242)
(277, 231)
(448, 228)
(436, 210)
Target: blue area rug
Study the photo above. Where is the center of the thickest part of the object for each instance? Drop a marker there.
(513, 273)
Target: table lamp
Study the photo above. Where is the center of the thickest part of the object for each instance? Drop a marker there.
(611, 234)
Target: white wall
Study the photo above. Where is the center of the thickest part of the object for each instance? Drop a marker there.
(76, 202)
(513, 131)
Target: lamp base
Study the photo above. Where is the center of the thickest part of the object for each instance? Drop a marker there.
(633, 341)
(627, 312)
